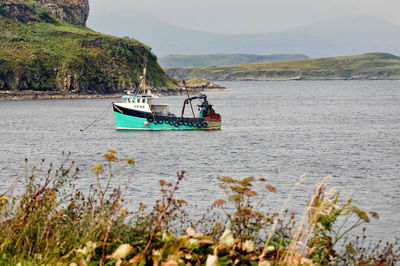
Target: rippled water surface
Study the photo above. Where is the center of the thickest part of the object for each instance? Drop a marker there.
(275, 130)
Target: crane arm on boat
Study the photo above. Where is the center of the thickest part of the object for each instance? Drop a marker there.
(189, 100)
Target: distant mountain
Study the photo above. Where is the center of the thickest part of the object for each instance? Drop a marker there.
(344, 36)
(366, 66)
(223, 59)
(165, 39)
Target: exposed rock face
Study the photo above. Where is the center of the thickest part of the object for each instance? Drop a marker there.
(17, 11)
(71, 11)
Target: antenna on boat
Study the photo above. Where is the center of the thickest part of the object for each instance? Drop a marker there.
(190, 102)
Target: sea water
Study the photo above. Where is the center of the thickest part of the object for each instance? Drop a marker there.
(275, 130)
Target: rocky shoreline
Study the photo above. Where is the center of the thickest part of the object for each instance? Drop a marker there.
(307, 79)
(40, 95)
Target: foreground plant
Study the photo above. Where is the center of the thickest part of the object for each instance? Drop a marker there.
(317, 234)
(52, 222)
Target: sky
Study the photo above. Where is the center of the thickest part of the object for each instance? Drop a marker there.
(244, 16)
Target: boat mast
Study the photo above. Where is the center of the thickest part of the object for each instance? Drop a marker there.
(143, 81)
(144, 73)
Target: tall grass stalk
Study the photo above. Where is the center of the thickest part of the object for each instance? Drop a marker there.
(296, 184)
(301, 236)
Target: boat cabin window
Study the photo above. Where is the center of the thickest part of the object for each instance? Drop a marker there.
(143, 100)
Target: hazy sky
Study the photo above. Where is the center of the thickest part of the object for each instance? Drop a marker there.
(245, 16)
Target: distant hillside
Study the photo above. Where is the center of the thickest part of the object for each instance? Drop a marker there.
(42, 53)
(336, 37)
(367, 66)
(223, 59)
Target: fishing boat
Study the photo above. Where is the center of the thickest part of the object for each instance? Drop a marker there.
(138, 111)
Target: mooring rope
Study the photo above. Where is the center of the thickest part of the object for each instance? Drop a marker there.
(107, 108)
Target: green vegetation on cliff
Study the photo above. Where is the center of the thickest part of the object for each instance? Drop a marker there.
(367, 66)
(223, 59)
(41, 53)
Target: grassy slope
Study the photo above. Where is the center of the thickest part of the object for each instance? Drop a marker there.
(39, 55)
(367, 66)
(223, 59)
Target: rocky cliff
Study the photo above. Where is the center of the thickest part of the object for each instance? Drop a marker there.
(43, 54)
(71, 11)
(21, 11)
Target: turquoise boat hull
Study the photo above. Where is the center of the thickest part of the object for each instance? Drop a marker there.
(131, 122)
